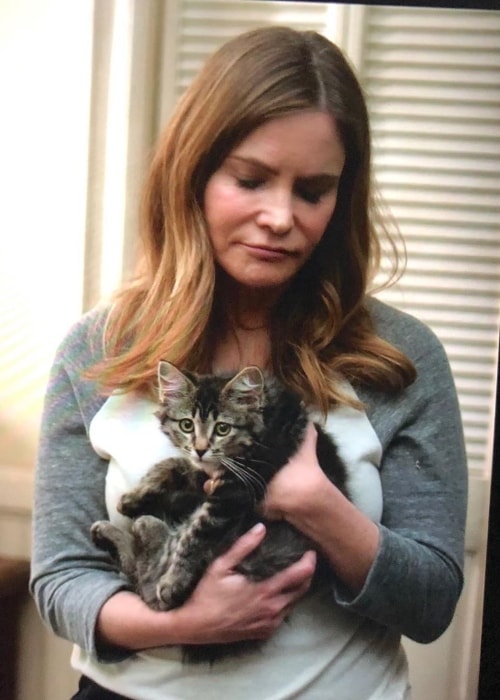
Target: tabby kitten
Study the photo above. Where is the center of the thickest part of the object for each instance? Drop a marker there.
(241, 429)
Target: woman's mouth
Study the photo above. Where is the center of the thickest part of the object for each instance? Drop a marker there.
(268, 253)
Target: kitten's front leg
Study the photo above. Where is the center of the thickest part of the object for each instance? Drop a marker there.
(195, 546)
(151, 494)
(150, 535)
(212, 528)
(117, 542)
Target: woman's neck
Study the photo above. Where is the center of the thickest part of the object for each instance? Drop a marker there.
(244, 321)
(245, 309)
(240, 348)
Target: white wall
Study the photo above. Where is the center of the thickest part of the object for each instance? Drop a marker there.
(45, 69)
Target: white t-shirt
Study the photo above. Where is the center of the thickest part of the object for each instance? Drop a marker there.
(322, 652)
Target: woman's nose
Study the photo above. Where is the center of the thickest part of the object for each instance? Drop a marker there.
(276, 213)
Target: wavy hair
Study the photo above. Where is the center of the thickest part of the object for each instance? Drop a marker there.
(321, 330)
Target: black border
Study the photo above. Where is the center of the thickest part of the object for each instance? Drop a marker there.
(489, 669)
(454, 5)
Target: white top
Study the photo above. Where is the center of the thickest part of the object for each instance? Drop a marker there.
(322, 652)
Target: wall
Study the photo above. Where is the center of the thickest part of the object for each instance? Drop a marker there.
(45, 69)
(45, 66)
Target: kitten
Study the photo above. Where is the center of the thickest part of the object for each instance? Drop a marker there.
(241, 429)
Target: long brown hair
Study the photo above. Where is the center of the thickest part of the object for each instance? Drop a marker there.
(321, 330)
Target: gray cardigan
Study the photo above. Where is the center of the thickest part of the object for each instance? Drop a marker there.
(416, 579)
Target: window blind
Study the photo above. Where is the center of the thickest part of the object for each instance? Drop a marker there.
(432, 79)
(196, 28)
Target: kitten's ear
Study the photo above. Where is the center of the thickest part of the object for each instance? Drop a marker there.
(172, 383)
(247, 387)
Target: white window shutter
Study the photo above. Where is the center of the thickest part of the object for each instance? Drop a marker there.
(196, 28)
(432, 79)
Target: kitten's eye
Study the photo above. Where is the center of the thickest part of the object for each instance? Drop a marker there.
(222, 429)
(186, 425)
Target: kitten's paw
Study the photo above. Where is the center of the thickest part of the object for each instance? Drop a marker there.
(98, 531)
(102, 534)
(170, 595)
(147, 527)
(212, 484)
(130, 505)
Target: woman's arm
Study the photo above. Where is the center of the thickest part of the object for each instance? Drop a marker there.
(70, 578)
(405, 573)
(303, 495)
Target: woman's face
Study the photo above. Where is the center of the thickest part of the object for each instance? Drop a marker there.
(268, 204)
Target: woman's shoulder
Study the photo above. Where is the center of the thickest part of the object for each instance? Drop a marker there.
(406, 332)
(431, 397)
(83, 344)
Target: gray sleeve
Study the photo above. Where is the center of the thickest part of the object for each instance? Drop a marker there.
(70, 578)
(416, 579)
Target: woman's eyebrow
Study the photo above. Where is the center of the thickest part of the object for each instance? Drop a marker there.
(319, 179)
(322, 180)
(248, 160)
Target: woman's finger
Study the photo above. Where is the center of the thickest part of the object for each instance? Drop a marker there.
(295, 576)
(242, 547)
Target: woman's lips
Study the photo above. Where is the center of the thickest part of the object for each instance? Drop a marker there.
(268, 253)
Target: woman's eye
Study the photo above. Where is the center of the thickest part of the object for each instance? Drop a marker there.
(309, 196)
(186, 425)
(222, 429)
(249, 183)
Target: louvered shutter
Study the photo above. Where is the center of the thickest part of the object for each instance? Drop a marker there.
(432, 79)
(196, 28)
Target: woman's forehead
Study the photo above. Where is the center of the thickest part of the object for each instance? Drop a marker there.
(308, 141)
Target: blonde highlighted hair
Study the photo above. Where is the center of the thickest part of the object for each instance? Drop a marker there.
(321, 330)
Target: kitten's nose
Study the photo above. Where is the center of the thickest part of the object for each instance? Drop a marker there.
(200, 453)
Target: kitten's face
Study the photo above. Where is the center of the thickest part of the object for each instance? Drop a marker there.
(211, 419)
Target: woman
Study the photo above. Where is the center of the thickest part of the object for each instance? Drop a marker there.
(259, 248)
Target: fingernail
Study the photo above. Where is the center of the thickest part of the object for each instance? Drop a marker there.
(258, 528)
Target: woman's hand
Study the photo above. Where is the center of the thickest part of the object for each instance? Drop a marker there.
(293, 486)
(302, 494)
(229, 607)
(297, 483)
(224, 607)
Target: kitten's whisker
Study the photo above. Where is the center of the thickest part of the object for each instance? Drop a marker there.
(241, 476)
(260, 444)
(255, 474)
(251, 480)
(257, 478)
(238, 471)
(259, 461)
(248, 476)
